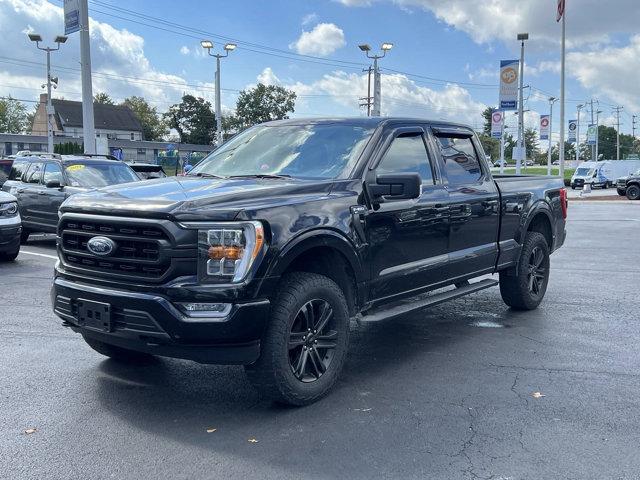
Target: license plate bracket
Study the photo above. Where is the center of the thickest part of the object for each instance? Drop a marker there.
(94, 315)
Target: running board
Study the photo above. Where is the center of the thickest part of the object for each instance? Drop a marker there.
(405, 306)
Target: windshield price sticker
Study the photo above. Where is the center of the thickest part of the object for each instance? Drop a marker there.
(73, 168)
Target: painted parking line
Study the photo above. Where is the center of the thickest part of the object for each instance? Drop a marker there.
(53, 257)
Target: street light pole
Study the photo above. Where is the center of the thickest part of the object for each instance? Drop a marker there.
(552, 100)
(578, 134)
(229, 47)
(34, 37)
(377, 87)
(522, 37)
(598, 112)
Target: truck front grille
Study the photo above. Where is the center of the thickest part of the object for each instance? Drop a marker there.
(147, 251)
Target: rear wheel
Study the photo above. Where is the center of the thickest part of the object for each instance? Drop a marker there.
(523, 287)
(305, 345)
(633, 192)
(9, 256)
(118, 354)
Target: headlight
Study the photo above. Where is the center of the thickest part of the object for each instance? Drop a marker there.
(9, 209)
(228, 251)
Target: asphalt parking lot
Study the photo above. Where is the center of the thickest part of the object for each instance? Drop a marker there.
(469, 389)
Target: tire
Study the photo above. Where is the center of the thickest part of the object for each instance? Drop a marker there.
(573, 187)
(287, 370)
(523, 287)
(118, 354)
(9, 257)
(633, 192)
(622, 193)
(24, 236)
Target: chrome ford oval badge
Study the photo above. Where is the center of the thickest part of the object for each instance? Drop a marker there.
(101, 246)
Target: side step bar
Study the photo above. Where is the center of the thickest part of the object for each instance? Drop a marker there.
(425, 300)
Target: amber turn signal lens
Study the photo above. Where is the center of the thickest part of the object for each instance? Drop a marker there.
(219, 252)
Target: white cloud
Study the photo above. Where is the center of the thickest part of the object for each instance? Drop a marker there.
(184, 50)
(323, 40)
(309, 18)
(612, 72)
(267, 77)
(355, 3)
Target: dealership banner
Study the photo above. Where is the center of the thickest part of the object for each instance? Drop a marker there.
(496, 123)
(71, 16)
(592, 131)
(509, 84)
(573, 127)
(544, 127)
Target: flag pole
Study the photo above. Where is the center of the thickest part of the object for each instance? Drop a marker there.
(564, 14)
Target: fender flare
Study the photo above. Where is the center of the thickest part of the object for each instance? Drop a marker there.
(317, 238)
(540, 206)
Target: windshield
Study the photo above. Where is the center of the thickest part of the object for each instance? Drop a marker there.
(312, 151)
(99, 175)
(584, 171)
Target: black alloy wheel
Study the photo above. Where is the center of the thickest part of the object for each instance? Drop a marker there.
(536, 271)
(312, 341)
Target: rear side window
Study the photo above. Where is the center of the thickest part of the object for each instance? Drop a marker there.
(407, 154)
(17, 169)
(34, 173)
(461, 162)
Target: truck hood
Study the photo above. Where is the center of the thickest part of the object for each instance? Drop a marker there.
(194, 198)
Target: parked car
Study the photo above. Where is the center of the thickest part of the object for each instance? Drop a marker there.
(266, 250)
(42, 184)
(629, 186)
(10, 227)
(147, 171)
(5, 168)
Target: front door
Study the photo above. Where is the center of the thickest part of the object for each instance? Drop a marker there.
(474, 204)
(408, 239)
(52, 197)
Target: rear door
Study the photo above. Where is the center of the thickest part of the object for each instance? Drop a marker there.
(52, 198)
(408, 239)
(473, 203)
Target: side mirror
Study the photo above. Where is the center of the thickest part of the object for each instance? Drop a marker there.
(53, 184)
(396, 186)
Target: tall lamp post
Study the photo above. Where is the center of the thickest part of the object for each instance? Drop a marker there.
(579, 107)
(60, 39)
(385, 47)
(598, 112)
(229, 47)
(521, 152)
(552, 100)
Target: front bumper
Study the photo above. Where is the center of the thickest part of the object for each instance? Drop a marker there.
(10, 235)
(151, 323)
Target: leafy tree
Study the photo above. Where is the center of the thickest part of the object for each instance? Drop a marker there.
(13, 116)
(193, 119)
(153, 126)
(30, 118)
(264, 103)
(491, 146)
(486, 114)
(103, 98)
(607, 143)
(68, 148)
(531, 142)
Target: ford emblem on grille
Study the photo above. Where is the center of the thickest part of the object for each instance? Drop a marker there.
(101, 246)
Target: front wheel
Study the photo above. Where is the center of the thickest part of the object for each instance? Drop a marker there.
(633, 192)
(523, 287)
(622, 193)
(306, 342)
(9, 256)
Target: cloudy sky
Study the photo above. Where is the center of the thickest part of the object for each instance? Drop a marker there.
(444, 63)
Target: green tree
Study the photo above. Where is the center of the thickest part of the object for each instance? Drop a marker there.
(154, 127)
(491, 146)
(531, 143)
(13, 116)
(103, 98)
(193, 119)
(569, 152)
(486, 114)
(264, 103)
(607, 143)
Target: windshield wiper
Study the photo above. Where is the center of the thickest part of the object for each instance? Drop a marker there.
(261, 175)
(207, 175)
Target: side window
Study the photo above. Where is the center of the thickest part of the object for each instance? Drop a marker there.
(34, 173)
(461, 163)
(52, 171)
(17, 169)
(407, 154)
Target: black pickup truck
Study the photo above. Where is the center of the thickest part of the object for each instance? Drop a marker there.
(266, 250)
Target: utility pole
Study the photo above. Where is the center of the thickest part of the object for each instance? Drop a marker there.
(598, 112)
(367, 99)
(578, 134)
(617, 112)
(377, 88)
(521, 151)
(552, 100)
(229, 47)
(504, 127)
(593, 147)
(633, 125)
(88, 122)
(60, 39)
(563, 14)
